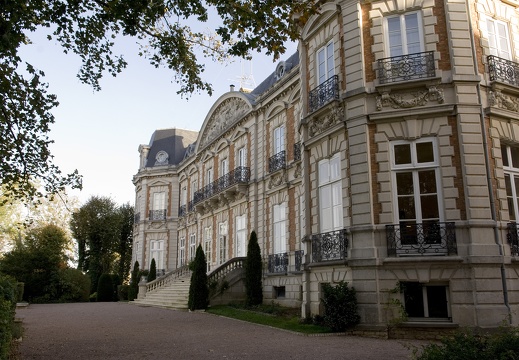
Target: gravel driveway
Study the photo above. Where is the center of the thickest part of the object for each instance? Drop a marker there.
(124, 331)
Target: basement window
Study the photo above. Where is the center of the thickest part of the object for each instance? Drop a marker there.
(426, 302)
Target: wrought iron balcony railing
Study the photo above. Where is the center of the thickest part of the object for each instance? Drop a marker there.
(278, 263)
(182, 210)
(298, 259)
(329, 246)
(277, 161)
(433, 238)
(513, 238)
(240, 175)
(297, 151)
(406, 67)
(158, 214)
(191, 205)
(323, 94)
(503, 70)
(136, 218)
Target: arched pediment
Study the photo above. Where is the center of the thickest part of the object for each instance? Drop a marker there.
(315, 22)
(226, 111)
(275, 109)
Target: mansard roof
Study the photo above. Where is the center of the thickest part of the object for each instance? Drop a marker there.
(171, 142)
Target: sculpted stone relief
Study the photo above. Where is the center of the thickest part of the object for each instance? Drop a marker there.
(410, 100)
(507, 102)
(318, 125)
(226, 114)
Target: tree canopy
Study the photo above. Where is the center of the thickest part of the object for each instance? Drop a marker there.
(168, 34)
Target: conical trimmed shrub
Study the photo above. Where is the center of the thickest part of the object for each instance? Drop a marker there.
(198, 289)
(134, 282)
(153, 271)
(253, 272)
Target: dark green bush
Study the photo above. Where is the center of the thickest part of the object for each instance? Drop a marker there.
(105, 288)
(122, 292)
(134, 282)
(253, 272)
(8, 298)
(153, 271)
(19, 288)
(199, 289)
(340, 306)
(469, 345)
(74, 285)
(116, 281)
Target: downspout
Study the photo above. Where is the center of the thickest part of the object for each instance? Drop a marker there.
(488, 168)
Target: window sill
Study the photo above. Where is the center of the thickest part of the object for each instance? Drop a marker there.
(422, 258)
(429, 323)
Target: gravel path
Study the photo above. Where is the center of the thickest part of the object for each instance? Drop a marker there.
(123, 331)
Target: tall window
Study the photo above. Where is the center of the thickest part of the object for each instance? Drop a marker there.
(510, 156)
(209, 176)
(325, 63)
(241, 157)
(498, 39)
(279, 139)
(415, 174)
(330, 194)
(182, 252)
(157, 253)
(279, 219)
(207, 246)
(192, 246)
(224, 167)
(159, 201)
(194, 188)
(241, 235)
(183, 196)
(222, 243)
(404, 34)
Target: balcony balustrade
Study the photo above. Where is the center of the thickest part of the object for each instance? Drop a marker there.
(240, 175)
(406, 67)
(298, 260)
(158, 215)
(277, 161)
(297, 151)
(503, 70)
(513, 238)
(434, 238)
(323, 94)
(182, 210)
(278, 263)
(329, 246)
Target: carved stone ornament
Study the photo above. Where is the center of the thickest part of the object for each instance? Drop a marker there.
(181, 221)
(318, 125)
(161, 158)
(507, 102)
(410, 100)
(298, 171)
(226, 114)
(278, 179)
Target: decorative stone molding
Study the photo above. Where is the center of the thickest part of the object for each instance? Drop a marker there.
(410, 100)
(278, 178)
(226, 114)
(507, 102)
(319, 124)
(298, 171)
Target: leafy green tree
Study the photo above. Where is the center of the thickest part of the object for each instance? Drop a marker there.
(90, 29)
(153, 271)
(105, 288)
(124, 246)
(134, 282)
(37, 262)
(96, 226)
(253, 272)
(198, 288)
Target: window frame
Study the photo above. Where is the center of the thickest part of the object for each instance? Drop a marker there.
(241, 156)
(157, 253)
(241, 235)
(279, 139)
(159, 200)
(328, 61)
(208, 240)
(182, 251)
(426, 307)
(326, 188)
(404, 43)
(192, 246)
(512, 172)
(222, 242)
(279, 228)
(494, 37)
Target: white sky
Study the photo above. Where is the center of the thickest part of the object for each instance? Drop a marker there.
(99, 133)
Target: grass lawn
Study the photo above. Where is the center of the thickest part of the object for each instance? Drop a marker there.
(271, 315)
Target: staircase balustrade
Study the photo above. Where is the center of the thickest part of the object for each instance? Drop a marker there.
(167, 279)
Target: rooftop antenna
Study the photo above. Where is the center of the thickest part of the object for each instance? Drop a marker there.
(246, 80)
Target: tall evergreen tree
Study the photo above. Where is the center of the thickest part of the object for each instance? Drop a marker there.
(134, 282)
(153, 270)
(253, 272)
(198, 289)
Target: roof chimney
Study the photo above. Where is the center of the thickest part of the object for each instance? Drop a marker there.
(232, 88)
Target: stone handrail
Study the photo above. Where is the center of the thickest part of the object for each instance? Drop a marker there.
(167, 279)
(221, 271)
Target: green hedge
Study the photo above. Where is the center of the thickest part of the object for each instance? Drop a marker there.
(8, 297)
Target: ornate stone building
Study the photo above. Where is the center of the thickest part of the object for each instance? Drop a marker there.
(385, 153)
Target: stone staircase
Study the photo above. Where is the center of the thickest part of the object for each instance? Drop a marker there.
(170, 291)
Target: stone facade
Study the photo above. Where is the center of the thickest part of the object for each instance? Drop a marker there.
(384, 154)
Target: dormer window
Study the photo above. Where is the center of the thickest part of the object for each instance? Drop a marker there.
(161, 158)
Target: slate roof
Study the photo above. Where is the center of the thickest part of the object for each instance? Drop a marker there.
(173, 141)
